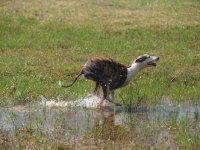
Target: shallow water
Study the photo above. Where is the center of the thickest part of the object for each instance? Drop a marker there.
(76, 118)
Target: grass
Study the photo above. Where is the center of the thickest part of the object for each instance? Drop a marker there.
(41, 45)
(45, 42)
(38, 50)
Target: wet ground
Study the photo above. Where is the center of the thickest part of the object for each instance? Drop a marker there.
(76, 119)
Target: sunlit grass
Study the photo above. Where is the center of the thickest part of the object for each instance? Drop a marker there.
(43, 67)
(41, 45)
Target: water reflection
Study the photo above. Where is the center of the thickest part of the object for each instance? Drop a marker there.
(80, 119)
(50, 113)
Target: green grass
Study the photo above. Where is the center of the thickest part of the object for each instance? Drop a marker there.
(41, 45)
(44, 42)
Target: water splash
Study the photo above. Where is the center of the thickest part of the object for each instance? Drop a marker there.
(89, 101)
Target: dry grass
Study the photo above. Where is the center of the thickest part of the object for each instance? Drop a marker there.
(113, 15)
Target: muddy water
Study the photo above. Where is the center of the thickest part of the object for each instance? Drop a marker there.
(76, 118)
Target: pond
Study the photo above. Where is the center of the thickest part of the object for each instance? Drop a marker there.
(76, 123)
